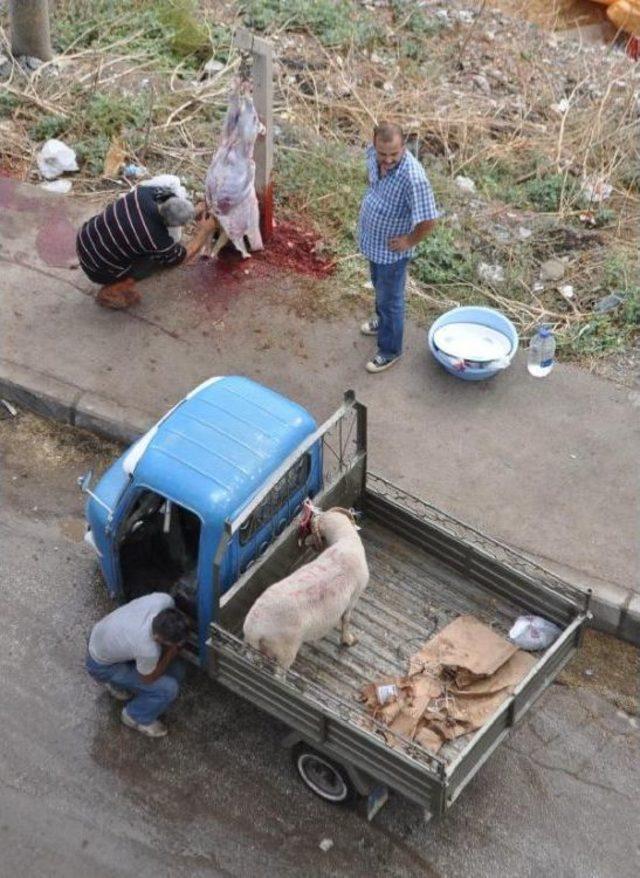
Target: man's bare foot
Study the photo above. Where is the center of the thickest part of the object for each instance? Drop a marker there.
(119, 296)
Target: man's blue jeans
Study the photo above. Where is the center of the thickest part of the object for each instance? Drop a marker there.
(150, 700)
(388, 282)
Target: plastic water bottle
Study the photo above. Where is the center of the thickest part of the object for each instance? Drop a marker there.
(542, 348)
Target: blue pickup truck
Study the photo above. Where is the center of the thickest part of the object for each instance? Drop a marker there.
(204, 505)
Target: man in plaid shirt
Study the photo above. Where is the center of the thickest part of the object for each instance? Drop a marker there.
(398, 210)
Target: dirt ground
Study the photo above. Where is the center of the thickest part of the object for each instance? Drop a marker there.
(609, 667)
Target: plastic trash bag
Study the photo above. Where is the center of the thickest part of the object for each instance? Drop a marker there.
(55, 158)
(533, 632)
(62, 186)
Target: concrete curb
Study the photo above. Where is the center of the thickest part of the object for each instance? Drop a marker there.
(615, 610)
(69, 404)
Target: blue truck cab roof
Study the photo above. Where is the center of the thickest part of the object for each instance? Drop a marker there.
(218, 446)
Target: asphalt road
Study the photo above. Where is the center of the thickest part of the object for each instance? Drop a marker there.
(80, 795)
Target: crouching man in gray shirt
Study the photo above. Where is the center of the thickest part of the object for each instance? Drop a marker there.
(133, 651)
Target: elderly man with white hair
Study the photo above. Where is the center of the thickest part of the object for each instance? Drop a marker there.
(131, 237)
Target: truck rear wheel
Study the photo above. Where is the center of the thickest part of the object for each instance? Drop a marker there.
(324, 777)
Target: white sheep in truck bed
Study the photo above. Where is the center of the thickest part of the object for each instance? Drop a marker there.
(320, 595)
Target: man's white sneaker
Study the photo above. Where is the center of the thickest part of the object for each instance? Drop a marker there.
(370, 327)
(156, 729)
(119, 694)
(380, 363)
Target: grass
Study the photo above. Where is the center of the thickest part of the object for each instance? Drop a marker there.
(325, 184)
(441, 259)
(614, 331)
(109, 114)
(48, 127)
(415, 28)
(335, 23)
(553, 193)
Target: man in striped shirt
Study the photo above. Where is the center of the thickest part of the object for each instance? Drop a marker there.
(131, 237)
(398, 210)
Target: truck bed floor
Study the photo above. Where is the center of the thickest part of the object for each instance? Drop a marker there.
(410, 597)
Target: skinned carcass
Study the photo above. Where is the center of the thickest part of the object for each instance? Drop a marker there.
(230, 192)
(306, 605)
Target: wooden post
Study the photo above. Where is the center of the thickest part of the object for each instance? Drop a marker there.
(262, 73)
(29, 24)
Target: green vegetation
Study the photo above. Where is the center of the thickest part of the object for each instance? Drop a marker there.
(325, 184)
(108, 114)
(552, 193)
(441, 260)
(91, 152)
(169, 31)
(415, 28)
(335, 22)
(186, 33)
(546, 192)
(48, 127)
(8, 103)
(616, 329)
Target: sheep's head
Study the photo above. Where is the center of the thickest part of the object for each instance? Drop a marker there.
(310, 522)
(306, 526)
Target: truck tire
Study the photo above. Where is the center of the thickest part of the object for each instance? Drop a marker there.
(324, 777)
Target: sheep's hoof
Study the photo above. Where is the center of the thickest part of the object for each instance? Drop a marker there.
(349, 640)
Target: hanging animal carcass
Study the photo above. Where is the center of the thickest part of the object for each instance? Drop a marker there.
(230, 192)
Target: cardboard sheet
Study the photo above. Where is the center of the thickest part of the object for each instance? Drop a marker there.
(456, 681)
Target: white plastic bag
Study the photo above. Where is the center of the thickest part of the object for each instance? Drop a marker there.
(62, 186)
(55, 158)
(533, 633)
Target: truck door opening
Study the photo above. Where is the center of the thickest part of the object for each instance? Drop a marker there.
(158, 547)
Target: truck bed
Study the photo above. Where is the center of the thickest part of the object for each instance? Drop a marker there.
(426, 569)
(410, 597)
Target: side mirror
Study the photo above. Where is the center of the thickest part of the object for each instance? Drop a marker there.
(84, 481)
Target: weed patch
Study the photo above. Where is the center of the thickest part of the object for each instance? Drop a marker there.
(324, 183)
(553, 193)
(167, 30)
(108, 114)
(187, 34)
(8, 103)
(48, 127)
(441, 260)
(334, 22)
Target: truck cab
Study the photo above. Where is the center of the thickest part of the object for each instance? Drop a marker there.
(159, 518)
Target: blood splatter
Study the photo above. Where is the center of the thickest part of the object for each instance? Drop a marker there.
(265, 202)
(11, 199)
(216, 282)
(56, 239)
(295, 249)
